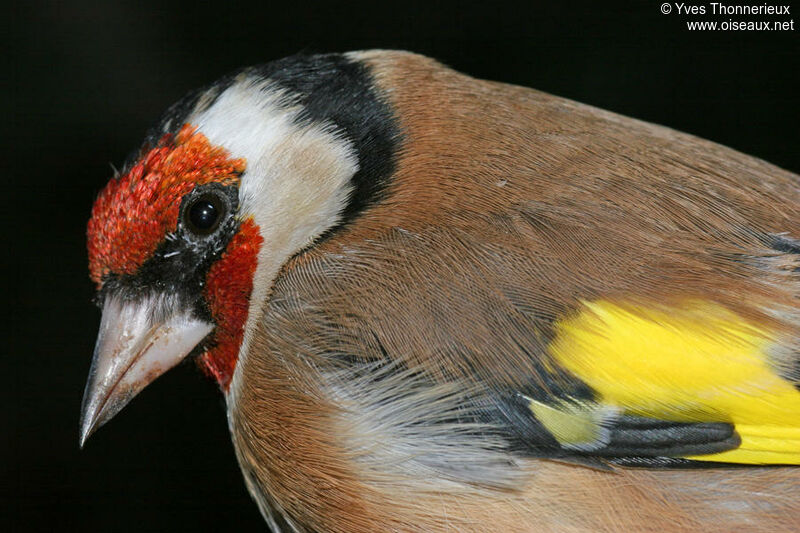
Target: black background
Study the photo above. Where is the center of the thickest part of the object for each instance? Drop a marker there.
(83, 81)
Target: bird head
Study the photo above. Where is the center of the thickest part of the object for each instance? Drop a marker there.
(185, 243)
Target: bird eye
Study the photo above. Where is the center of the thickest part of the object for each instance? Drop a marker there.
(204, 214)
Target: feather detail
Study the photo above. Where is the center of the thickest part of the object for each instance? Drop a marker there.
(695, 363)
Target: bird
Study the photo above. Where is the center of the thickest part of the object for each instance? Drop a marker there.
(437, 303)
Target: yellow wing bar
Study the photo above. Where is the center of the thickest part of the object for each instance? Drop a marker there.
(697, 363)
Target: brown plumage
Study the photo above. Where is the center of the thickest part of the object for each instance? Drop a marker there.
(383, 356)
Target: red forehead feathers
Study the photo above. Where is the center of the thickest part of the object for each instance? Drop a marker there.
(134, 212)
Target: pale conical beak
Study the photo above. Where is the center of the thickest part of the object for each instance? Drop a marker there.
(138, 341)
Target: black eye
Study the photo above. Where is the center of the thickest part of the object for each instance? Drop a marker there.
(204, 214)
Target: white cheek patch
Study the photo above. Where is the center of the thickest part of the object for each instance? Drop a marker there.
(297, 178)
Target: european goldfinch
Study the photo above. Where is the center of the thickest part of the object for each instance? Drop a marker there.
(435, 303)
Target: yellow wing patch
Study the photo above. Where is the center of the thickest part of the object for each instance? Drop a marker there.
(697, 363)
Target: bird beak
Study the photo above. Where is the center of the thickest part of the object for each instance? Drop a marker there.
(138, 341)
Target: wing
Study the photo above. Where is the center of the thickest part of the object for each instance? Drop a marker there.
(592, 286)
(557, 370)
